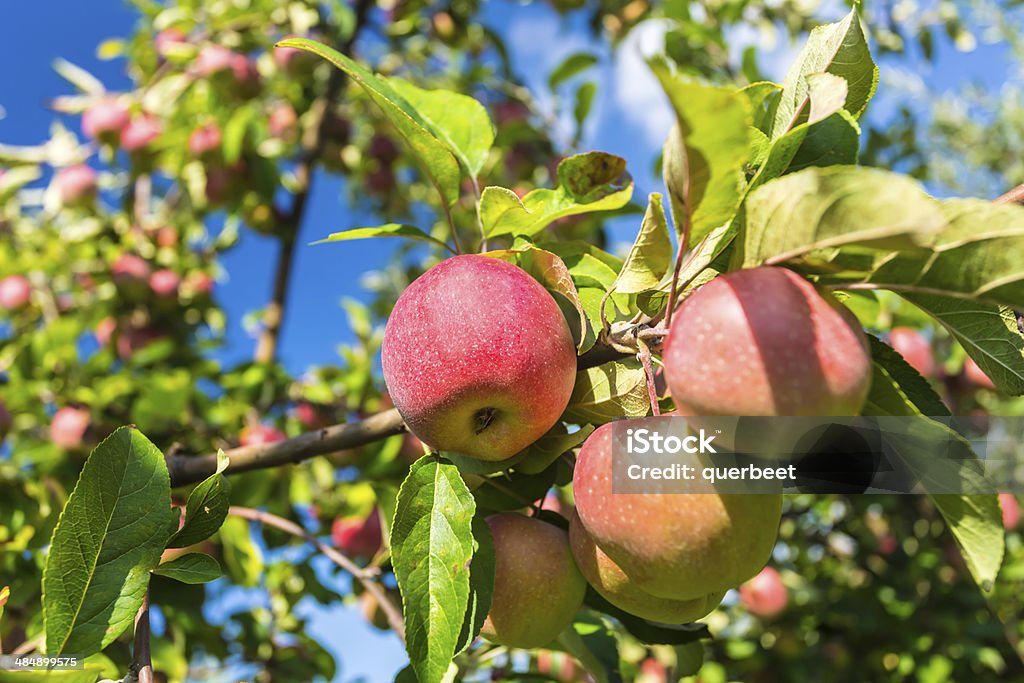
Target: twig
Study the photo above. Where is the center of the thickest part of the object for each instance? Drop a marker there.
(28, 646)
(645, 360)
(1014, 196)
(266, 345)
(392, 613)
(188, 469)
(479, 218)
(142, 661)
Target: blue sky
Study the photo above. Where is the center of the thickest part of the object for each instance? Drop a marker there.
(630, 119)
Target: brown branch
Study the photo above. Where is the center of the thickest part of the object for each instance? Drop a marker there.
(273, 319)
(142, 661)
(1014, 196)
(393, 614)
(189, 469)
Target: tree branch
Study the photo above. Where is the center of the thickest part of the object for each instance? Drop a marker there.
(142, 662)
(1014, 196)
(189, 469)
(273, 320)
(393, 614)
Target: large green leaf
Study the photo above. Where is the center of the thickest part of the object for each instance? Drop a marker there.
(191, 568)
(109, 537)
(207, 507)
(839, 49)
(432, 545)
(541, 453)
(650, 257)
(988, 333)
(243, 559)
(587, 183)
(975, 519)
(574, 64)
(977, 256)
(432, 153)
(481, 584)
(820, 208)
(705, 153)
(608, 391)
(459, 121)
(386, 230)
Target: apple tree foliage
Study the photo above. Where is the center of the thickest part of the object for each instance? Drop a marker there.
(143, 502)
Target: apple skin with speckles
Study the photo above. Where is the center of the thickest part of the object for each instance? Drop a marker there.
(537, 587)
(674, 546)
(764, 341)
(616, 587)
(478, 358)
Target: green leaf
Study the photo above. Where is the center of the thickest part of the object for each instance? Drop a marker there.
(163, 401)
(974, 518)
(545, 450)
(387, 230)
(832, 141)
(900, 388)
(572, 65)
(608, 391)
(459, 121)
(234, 133)
(191, 568)
(242, 558)
(839, 49)
(496, 202)
(207, 508)
(594, 644)
(760, 96)
(431, 546)
(820, 208)
(705, 154)
(481, 584)
(433, 154)
(977, 256)
(584, 103)
(587, 183)
(651, 255)
(109, 537)
(988, 333)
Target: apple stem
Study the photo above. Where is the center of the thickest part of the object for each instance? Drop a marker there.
(483, 419)
(645, 359)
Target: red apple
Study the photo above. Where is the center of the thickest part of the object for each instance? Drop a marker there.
(68, 427)
(105, 330)
(478, 358)
(1011, 510)
(615, 586)
(765, 595)
(246, 75)
(888, 544)
(164, 283)
(204, 140)
(358, 536)
(380, 181)
(283, 122)
(652, 671)
(383, 149)
(75, 184)
(765, 342)
(311, 416)
(259, 434)
(140, 132)
(212, 59)
(976, 376)
(677, 546)
(104, 119)
(914, 348)
(537, 587)
(129, 269)
(133, 338)
(167, 39)
(15, 292)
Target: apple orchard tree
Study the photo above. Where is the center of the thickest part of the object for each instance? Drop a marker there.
(461, 486)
